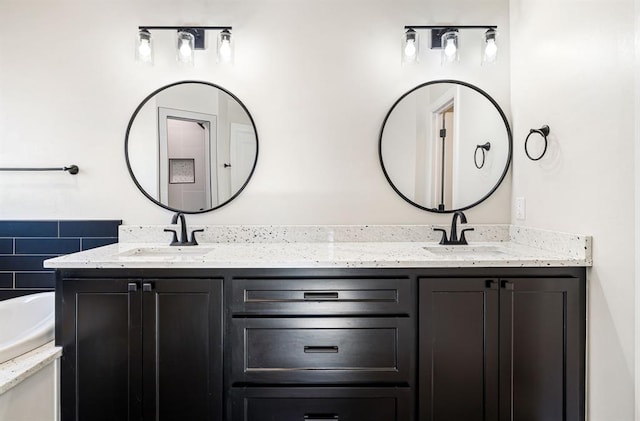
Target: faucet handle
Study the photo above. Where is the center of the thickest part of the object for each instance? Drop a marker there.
(463, 240)
(193, 241)
(174, 241)
(444, 239)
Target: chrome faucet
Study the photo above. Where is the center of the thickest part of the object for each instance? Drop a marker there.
(453, 239)
(184, 241)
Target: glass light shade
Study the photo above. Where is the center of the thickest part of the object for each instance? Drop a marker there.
(489, 46)
(225, 47)
(410, 46)
(144, 47)
(185, 47)
(450, 47)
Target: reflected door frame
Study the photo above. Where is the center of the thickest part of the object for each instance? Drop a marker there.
(241, 144)
(438, 107)
(210, 122)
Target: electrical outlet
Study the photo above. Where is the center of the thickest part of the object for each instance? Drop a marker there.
(520, 208)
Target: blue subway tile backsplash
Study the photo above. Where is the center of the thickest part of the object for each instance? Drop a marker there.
(91, 243)
(6, 245)
(6, 279)
(47, 245)
(24, 245)
(40, 280)
(22, 263)
(13, 229)
(93, 229)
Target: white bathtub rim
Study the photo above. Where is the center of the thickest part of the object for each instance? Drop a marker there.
(32, 336)
(26, 342)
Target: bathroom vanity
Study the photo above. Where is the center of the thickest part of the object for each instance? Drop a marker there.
(343, 330)
(349, 323)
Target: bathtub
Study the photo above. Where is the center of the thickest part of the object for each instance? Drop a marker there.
(26, 323)
(29, 360)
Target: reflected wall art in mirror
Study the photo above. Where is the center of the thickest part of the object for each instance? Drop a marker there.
(191, 146)
(429, 145)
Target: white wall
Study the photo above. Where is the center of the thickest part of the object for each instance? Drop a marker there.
(318, 77)
(637, 208)
(572, 68)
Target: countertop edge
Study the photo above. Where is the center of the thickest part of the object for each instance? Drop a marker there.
(15, 371)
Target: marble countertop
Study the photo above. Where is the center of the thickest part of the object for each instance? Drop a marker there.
(20, 368)
(334, 246)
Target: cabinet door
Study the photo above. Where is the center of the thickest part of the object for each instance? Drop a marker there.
(458, 349)
(542, 322)
(182, 350)
(102, 341)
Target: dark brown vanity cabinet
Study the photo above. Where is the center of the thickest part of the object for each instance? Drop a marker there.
(508, 349)
(321, 348)
(138, 349)
(393, 344)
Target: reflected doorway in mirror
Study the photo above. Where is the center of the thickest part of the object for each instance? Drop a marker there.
(187, 137)
(192, 120)
(429, 164)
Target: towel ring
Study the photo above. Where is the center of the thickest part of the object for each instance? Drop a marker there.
(542, 131)
(483, 149)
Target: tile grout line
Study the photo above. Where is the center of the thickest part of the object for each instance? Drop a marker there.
(13, 273)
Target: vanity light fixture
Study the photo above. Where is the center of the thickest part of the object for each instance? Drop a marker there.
(489, 46)
(188, 39)
(410, 46)
(186, 44)
(450, 43)
(144, 46)
(225, 46)
(447, 39)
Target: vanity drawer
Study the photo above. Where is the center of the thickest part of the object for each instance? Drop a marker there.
(321, 404)
(322, 350)
(322, 296)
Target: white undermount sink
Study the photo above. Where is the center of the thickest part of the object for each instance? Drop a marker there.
(166, 253)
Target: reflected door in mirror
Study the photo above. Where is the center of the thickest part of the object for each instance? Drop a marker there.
(243, 149)
(428, 141)
(187, 149)
(191, 147)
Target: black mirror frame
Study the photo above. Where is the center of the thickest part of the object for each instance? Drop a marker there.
(126, 146)
(509, 136)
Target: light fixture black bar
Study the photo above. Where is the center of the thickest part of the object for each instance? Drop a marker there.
(213, 28)
(450, 26)
(73, 169)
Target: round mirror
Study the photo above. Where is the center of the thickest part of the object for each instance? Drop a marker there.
(445, 146)
(191, 146)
